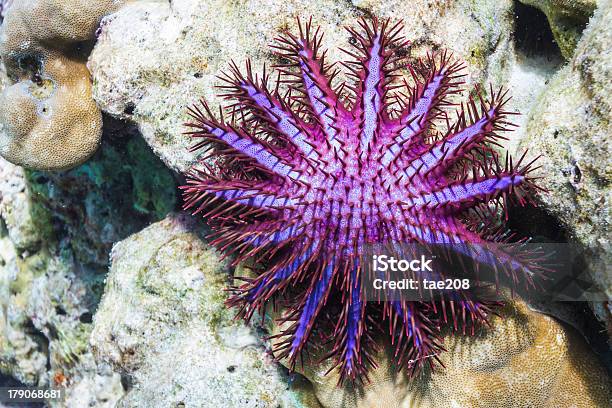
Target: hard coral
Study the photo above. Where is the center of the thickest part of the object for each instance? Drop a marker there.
(525, 359)
(312, 178)
(49, 119)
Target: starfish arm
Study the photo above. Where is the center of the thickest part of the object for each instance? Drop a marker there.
(426, 99)
(462, 137)
(350, 333)
(467, 191)
(505, 258)
(354, 322)
(427, 234)
(465, 310)
(372, 71)
(276, 237)
(268, 283)
(312, 305)
(371, 97)
(412, 335)
(221, 196)
(250, 197)
(209, 130)
(447, 150)
(268, 108)
(262, 239)
(311, 78)
(253, 295)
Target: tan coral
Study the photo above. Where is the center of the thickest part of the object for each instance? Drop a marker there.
(526, 359)
(48, 118)
(55, 131)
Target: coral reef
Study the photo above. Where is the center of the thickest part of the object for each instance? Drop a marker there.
(48, 118)
(121, 189)
(570, 126)
(567, 19)
(162, 322)
(46, 303)
(152, 57)
(56, 230)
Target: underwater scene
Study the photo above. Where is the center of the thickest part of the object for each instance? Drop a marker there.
(306, 204)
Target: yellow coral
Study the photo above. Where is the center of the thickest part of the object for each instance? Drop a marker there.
(49, 119)
(526, 359)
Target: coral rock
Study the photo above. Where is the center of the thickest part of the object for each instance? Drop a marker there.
(570, 127)
(162, 322)
(49, 119)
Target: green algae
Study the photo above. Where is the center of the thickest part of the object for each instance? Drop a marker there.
(567, 20)
(119, 191)
(118, 171)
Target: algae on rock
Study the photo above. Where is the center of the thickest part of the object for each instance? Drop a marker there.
(163, 323)
(570, 127)
(46, 302)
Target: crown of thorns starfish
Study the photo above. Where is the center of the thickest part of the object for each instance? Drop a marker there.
(306, 177)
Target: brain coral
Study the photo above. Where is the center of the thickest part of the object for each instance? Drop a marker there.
(524, 359)
(48, 117)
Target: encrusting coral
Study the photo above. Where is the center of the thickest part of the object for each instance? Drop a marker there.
(523, 359)
(48, 117)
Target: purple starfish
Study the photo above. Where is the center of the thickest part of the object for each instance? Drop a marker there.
(308, 177)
